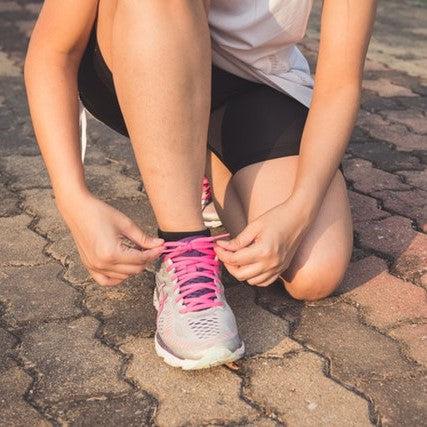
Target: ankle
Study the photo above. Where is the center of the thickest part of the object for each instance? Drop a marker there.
(173, 236)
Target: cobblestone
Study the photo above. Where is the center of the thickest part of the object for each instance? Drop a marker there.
(192, 397)
(296, 389)
(72, 362)
(394, 236)
(385, 299)
(368, 179)
(415, 337)
(366, 360)
(20, 246)
(32, 294)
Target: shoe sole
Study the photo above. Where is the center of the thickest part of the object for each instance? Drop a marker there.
(213, 356)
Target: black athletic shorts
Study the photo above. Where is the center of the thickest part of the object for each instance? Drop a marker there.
(250, 122)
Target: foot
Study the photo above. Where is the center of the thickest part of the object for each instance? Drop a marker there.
(196, 328)
(210, 215)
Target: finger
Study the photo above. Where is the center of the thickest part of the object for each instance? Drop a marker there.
(249, 271)
(245, 238)
(245, 256)
(134, 233)
(264, 279)
(104, 280)
(131, 256)
(125, 269)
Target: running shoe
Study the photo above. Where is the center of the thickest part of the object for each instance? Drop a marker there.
(196, 328)
(210, 215)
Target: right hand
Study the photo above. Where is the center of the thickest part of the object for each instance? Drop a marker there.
(98, 231)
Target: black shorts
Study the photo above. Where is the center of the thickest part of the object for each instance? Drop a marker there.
(250, 122)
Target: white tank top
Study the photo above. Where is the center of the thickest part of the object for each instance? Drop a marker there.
(255, 39)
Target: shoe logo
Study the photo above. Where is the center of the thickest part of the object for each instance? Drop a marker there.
(162, 297)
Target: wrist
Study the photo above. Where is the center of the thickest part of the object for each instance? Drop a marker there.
(71, 197)
(307, 205)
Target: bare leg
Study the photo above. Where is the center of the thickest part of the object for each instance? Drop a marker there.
(161, 65)
(320, 262)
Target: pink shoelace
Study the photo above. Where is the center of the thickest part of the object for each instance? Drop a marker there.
(197, 272)
(206, 192)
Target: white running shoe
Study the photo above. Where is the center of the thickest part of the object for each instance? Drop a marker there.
(210, 215)
(195, 326)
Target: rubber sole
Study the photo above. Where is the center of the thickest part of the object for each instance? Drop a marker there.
(213, 356)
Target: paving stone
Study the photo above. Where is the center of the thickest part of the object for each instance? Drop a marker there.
(384, 299)
(415, 120)
(35, 294)
(416, 178)
(34, 8)
(108, 182)
(14, 411)
(7, 67)
(367, 179)
(275, 299)
(127, 310)
(365, 208)
(412, 204)
(384, 157)
(394, 133)
(26, 172)
(20, 245)
(9, 202)
(131, 410)
(9, 6)
(41, 203)
(256, 324)
(395, 237)
(204, 397)
(72, 362)
(386, 88)
(65, 251)
(296, 389)
(415, 337)
(367, 360)
(7, 342)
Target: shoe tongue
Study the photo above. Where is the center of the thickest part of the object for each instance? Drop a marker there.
(201, 278)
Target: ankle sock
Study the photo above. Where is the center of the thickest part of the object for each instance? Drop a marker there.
(173, 236)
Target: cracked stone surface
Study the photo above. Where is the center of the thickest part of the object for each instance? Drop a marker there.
(74, 353)
(296, 389)
(194, 397)
(73, 363)
(32, 293)
(20, 245)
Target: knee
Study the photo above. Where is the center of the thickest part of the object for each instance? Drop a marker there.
(313, 284)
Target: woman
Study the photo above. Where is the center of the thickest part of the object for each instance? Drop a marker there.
(164, 72)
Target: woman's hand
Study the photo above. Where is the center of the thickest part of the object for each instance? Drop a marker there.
(265, 248)
(98, 231)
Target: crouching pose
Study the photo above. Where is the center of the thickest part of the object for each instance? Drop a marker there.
(217, 90)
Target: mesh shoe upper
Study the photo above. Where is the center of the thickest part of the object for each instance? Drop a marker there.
(193, 314)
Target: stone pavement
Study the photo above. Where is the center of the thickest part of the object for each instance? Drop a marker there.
(74, 353)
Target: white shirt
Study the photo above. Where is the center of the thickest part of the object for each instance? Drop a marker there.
(255, 39)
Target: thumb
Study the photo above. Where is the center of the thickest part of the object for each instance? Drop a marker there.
(134, 233)
(245, 238)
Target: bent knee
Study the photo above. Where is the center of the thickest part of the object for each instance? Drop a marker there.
(313, 284)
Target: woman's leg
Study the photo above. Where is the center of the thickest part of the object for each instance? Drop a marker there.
(161, 64)
(322, 259)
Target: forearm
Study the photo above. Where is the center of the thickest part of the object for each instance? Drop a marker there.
(51, 83)
(327, 131)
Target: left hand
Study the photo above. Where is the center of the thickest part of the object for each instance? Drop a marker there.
(265, 248)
